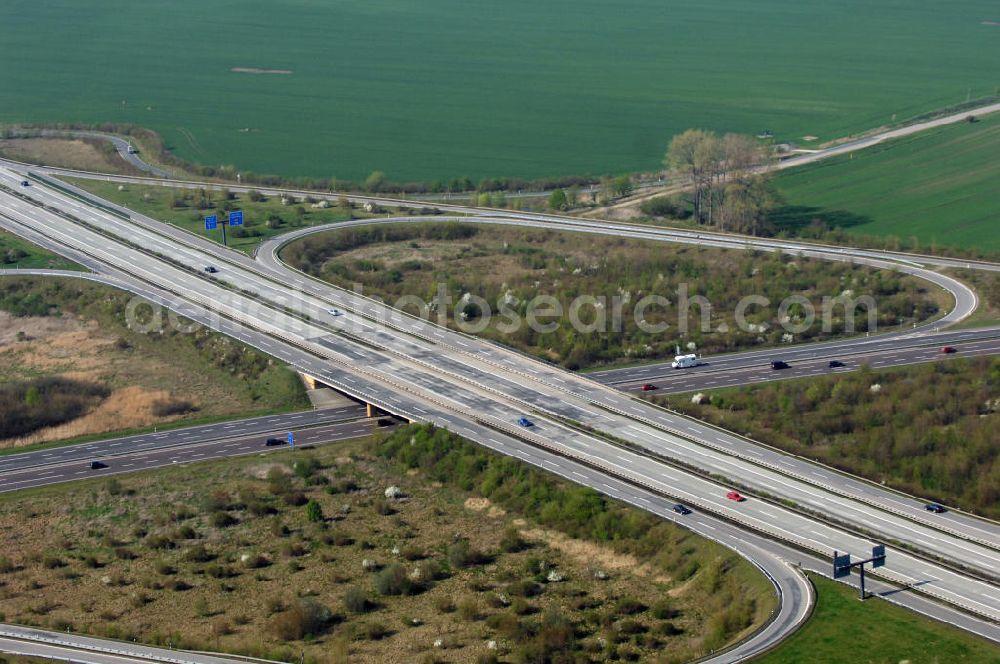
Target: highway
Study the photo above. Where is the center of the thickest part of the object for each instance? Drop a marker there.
(804, 362)
(455, 376)
(125, 455)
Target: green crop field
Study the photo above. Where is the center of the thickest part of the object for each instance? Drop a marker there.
(445, 88)
(939, 186)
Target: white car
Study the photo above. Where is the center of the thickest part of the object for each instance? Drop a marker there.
(334, 312)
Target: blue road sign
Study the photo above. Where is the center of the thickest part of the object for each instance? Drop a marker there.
(878, 555)
(236, 218)
(211, 223)
(841, 565)
(291, 438)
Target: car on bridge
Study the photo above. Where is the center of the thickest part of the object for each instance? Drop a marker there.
(948, 350)
(779, 364)
(648, 387)
(935, 507)
(835, 364)
(97, 465)
(525, 422)
(25, 183)
(211, 269)
(335, 312)
(735, 495)
(682, 509)
(271, 442)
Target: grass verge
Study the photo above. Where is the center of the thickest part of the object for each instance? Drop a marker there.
(843, 630)
(16, 253)
(264, 217)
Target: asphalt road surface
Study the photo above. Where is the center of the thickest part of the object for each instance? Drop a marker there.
(65, 465)
(715, 373)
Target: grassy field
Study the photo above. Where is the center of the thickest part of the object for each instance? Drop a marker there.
(187, 208)
(938, 187)
(444, 88)
(18, 253)
(931, 429)
(515, 265)
(844, 631)
(77, 331)
(266, 556)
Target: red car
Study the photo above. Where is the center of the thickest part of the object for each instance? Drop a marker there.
(735, 495)
(948, 349)
(647, 387)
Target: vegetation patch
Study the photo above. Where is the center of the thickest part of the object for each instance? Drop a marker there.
(71, 366)
(842, 630)
(508, 267)
(18, 253)
(85, 154)
(931, 429)
(339, 577)
(26, 406)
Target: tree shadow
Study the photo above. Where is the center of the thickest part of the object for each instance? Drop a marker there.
(797, 218)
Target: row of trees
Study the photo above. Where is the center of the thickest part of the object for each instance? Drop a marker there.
(728, 175)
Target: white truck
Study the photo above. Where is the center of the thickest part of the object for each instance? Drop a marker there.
(684, 361)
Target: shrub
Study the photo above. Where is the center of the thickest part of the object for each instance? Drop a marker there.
(52, 561)
(412, 552)
(222, 519)
(374, 631)
(444, 604)
(304, 618)
(256, 561)
(221, 627)
(159, 542)
(198, 554)
(393, 580)
(662, 610)
(511, 542)
(185, 532)
(122, 553)
(6, 566)
(314, 512)
(628, 606)
(461, 554)
(355, 600)
(468, 609)
(295, 498)
(163, 567)
(171, 407)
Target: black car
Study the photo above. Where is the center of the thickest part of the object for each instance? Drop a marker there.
(271, 442)
(935, 507)
(779, 364)
(211, 269)
(682, 509)
(97, 465)
(25, 183)
(834, 364)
